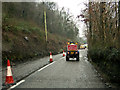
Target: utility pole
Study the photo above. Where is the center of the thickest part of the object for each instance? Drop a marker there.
(45, 25)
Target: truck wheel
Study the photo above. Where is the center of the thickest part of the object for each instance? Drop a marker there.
(67, 59)
(77, 59)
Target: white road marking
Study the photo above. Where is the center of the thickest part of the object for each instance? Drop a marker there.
(86, 61)
(80, 55)
(46, 66)
(62, 58)
(38, 70)
(16, 84)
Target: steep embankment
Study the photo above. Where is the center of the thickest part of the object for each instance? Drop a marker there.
(22, 40)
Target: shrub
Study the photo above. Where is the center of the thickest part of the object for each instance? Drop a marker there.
(108, 61)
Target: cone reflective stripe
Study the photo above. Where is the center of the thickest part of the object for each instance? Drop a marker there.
(51, 60)
(9, 72)
(63, 53)
(9, 77)
(50, 55)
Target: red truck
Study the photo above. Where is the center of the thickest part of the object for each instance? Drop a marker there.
(72, 51)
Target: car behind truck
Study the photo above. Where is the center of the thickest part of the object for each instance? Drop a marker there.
(72, 51)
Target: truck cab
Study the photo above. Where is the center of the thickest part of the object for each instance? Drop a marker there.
(72, 51)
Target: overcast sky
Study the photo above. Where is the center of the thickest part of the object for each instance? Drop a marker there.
(75, 7)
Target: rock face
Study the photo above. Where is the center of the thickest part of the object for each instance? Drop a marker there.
(26, 38)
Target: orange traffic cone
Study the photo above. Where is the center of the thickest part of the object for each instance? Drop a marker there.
(51, 60)
(9, 77)
(63, 53)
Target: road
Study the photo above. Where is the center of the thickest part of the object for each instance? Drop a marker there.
(64, 74)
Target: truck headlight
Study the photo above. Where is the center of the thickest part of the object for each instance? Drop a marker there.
(68, 52)
(76, 52)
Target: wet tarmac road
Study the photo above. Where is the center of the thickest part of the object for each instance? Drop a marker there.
(64, 74)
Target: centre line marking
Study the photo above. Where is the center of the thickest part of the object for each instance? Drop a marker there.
(46, 66)
(16, 84)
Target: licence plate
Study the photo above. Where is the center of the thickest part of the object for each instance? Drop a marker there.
(72, 52)
(72, 58)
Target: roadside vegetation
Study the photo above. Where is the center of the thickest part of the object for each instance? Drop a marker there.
(23, 35)
(102, 20)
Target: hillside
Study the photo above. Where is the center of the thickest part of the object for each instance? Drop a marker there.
(16, 48)
(23, 33)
